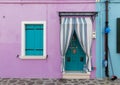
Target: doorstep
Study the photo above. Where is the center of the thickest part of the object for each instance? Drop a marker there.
(76, 75)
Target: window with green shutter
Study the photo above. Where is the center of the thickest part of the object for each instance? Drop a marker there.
(118, 35)
(33, 40)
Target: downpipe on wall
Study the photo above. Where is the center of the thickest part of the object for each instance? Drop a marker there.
(106, 40)
(107, 50)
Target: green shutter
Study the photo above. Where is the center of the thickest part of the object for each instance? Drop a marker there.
(39, 41)
(34, 39)
(118, 35)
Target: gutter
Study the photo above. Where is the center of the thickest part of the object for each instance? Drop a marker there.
(46, 2)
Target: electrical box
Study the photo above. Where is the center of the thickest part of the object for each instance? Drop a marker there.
(94, 35)
(118, 35)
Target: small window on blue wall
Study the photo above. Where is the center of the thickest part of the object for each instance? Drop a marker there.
(33, 40)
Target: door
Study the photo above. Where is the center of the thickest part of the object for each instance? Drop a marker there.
(75, 58)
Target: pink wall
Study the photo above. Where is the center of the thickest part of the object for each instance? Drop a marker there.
(11, 16)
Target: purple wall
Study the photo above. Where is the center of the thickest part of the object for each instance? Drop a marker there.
(11, 16)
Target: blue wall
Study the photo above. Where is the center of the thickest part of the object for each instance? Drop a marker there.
(114, 13)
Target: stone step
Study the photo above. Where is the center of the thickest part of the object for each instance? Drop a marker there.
(76, 75)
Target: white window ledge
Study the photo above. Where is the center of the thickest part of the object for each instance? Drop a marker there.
(33, 57)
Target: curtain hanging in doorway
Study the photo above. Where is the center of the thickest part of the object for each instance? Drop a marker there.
(83, 29)
(67, 29)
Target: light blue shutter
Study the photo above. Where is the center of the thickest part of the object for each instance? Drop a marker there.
(30, 35)
(39, 40)
(34, 39)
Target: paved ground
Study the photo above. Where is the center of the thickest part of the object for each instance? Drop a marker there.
(35, 81)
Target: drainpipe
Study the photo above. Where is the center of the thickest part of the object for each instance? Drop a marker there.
(106, 39)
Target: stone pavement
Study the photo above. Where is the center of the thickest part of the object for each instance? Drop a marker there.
(37, 81)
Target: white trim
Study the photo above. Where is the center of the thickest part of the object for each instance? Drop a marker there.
(23, 56)
(33, 57)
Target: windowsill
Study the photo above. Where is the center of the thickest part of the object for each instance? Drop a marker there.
(33, 57)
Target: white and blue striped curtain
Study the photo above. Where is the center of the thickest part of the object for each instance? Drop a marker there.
(83, 28)
(67, 29)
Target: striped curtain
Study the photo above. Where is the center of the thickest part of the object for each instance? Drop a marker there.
(67, 29)
(83, 29)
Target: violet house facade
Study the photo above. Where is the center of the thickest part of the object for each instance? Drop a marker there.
(47, 39)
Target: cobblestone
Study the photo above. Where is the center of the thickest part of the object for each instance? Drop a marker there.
(37, 81)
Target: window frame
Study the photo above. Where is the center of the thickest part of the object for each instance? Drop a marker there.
(23, 56)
